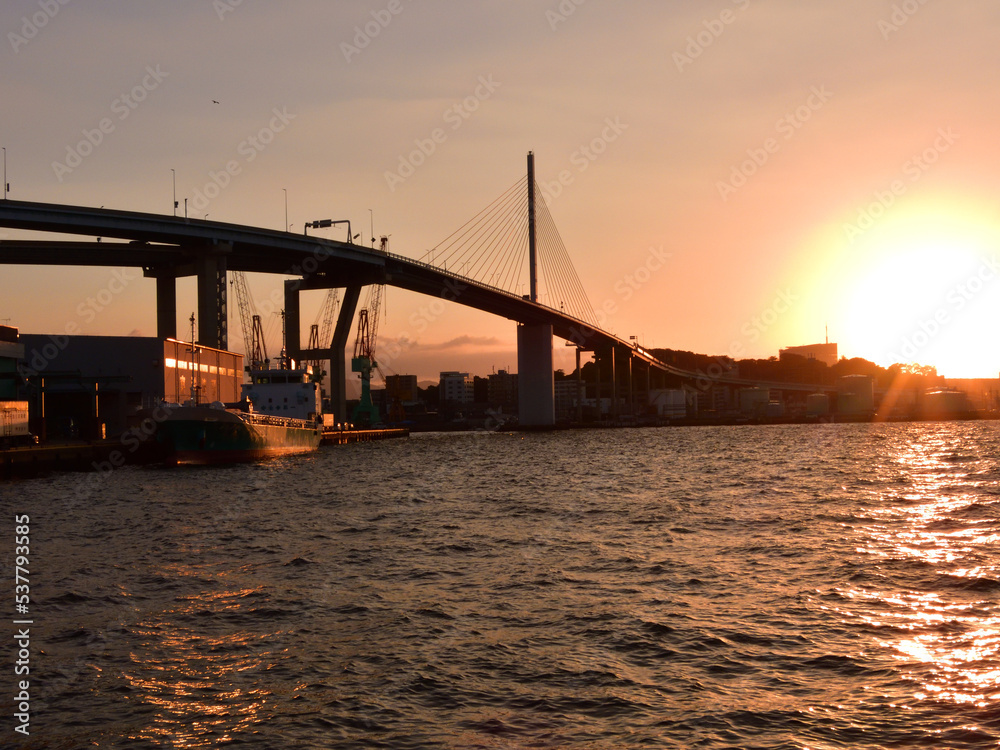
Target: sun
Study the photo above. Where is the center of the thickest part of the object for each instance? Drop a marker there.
(922, 286)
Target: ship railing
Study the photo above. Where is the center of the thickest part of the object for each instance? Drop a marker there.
(270, 419)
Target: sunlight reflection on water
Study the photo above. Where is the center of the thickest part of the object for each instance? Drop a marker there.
(952, 654)
(201, 687)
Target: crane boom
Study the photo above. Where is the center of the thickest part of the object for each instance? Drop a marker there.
(253, 334)
(364, 350)
(327, 316)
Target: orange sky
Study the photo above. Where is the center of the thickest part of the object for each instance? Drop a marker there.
(798, 165)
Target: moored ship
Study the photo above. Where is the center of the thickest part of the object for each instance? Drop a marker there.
(280, 414)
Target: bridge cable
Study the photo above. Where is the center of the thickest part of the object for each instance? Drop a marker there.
(456, 244)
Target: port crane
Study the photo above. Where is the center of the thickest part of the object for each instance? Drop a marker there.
(363, 362)
(253, 332)
(321, 331)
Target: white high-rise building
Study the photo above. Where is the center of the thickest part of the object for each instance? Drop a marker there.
(456, 388)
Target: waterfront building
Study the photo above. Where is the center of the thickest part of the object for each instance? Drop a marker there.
(825, 353)
(402, 388)
(856, 395)
(11, 350)
(567, 396)
(502, 390)
(456, 389)
(85, 386)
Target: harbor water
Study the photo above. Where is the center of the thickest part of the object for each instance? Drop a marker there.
(792, 586)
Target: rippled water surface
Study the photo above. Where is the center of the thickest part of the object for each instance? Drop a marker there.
(813, 586)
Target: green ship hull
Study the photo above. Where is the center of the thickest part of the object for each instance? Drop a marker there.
(206, 435)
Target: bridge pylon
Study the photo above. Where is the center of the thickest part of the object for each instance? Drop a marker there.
(535, 384)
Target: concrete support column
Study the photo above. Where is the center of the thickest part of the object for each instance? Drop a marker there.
(649, 371)
(614, 387)
(536, 392)
(338, 352)
(166, 307)
(212, 308)
(597, 369)
(579, 389)
(631, 388)
(293, 328)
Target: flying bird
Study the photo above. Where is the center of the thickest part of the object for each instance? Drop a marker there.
(214, 101)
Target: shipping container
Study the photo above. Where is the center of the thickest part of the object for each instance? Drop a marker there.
(14, 424)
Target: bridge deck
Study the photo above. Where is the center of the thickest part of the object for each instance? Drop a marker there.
(171, 246)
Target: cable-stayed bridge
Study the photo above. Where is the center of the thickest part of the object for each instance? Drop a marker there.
(508, 261)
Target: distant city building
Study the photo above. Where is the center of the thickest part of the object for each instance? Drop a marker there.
(817, 405)
(670, 402)
(402, 388)
(716, 399)
(567, 394)
(754, 401)
(456, 388)
(826, 353)
(502, 390)
(481, 390)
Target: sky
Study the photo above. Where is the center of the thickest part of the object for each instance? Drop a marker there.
(728, 177)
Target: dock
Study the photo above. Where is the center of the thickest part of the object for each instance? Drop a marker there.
(342, 437)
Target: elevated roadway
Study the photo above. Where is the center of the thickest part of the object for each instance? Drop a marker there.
(169, 247)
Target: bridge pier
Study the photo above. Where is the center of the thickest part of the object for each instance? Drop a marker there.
(212, 330)
(631, 388)
(338, 352)
(536, 392)
(597, 385)
(292, 345)
(608, 355)
(580, 391)
(649, 375)
(166, 307)
(614, 385)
